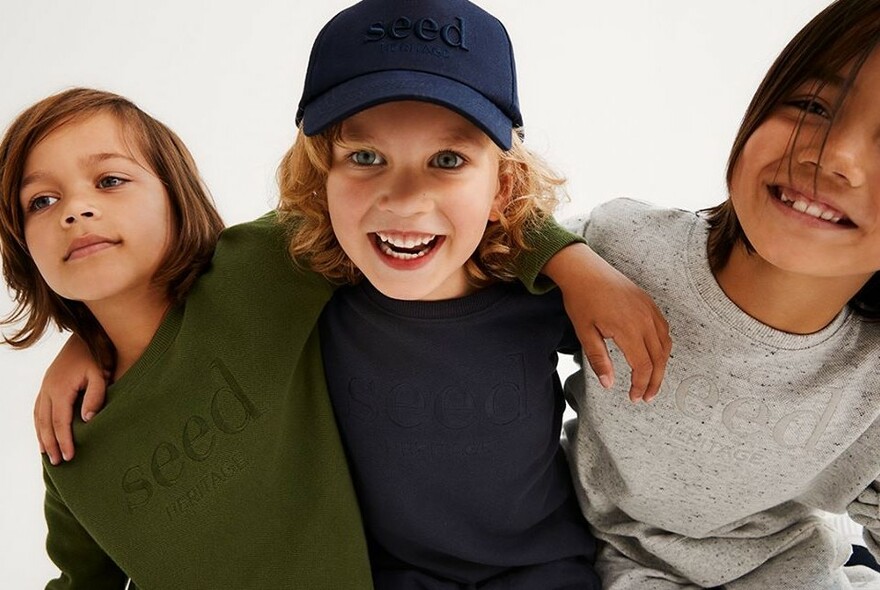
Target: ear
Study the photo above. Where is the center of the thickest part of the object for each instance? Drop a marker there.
(502, 197)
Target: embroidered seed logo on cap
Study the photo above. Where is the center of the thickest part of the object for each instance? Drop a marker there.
(448, 52)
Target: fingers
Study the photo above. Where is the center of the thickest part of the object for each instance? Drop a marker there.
(642, 370)
(74, 371)
(597, 357)
(45, 430)
(659, 346)
(62, 426)
(52, 422)
(647, 353)
(639, 356)
(45, 447)
(94, 398)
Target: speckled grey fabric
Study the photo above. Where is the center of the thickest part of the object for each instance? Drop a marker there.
(718, 480)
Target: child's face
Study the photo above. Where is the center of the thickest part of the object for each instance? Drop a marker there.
(410, 190)
(97, 218)
(830, 228)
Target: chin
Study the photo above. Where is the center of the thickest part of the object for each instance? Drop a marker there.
(404, 293)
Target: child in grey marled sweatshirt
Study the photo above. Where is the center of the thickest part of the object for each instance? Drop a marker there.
(770, 409)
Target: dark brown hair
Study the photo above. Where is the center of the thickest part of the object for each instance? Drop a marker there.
(196, 225)
(841, 36)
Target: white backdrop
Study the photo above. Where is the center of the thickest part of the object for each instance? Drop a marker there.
(633, 98)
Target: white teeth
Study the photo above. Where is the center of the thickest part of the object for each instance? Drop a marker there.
(407, 242)
(393, 244)
(810, 208)
(814, 210)
(401, 255)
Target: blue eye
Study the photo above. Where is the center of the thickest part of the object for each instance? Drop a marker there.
(111, 182)
(41, 202)
(448, 160)
(366, 158)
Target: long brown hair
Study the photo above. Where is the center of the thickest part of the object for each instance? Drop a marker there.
(196, 225)
(841, 36)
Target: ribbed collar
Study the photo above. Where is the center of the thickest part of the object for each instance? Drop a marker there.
(442, 309)
(727, 311)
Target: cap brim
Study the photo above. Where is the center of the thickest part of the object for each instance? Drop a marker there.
(366, 91)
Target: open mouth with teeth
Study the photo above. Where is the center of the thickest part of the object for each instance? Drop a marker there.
(809, 207)
(406, 246)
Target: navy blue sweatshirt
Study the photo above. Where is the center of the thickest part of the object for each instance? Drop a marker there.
(450, 413)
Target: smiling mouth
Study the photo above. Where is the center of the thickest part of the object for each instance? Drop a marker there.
(809, 207)
(406, 246)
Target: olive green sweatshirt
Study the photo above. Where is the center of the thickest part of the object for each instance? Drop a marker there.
(216, 462)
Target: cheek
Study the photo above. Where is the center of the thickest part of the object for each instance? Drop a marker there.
(343, 217)
(339, 194)
(346, 198)
(737, 182)
(38, 244)
(471, 219)
(497, 198)
(336, 205)
(767, 149)
(45, 257)
(748, 174)
(163, 230)
(154, 231)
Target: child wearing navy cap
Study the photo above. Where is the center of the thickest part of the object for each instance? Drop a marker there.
(409, 181)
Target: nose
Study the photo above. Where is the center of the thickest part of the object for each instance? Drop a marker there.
(406, 195)
(78, 209)
(839, 153)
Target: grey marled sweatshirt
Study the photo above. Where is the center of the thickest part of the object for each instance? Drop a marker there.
(718, 481)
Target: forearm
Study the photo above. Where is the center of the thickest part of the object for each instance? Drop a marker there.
(576, 265)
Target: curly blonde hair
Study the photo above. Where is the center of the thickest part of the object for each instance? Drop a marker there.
(302, 178)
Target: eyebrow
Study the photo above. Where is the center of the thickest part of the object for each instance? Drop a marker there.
(91, 160)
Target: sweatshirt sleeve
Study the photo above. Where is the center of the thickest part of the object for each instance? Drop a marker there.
(865, 510)
(544, 242)
(83, 564)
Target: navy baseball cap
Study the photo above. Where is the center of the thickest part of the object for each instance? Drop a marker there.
(448, 52)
